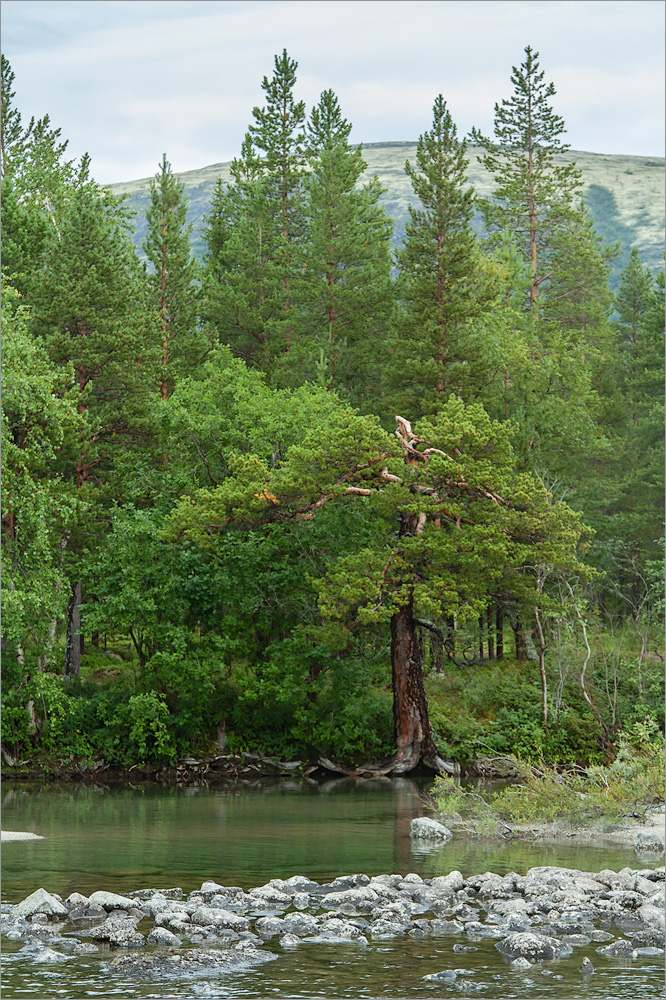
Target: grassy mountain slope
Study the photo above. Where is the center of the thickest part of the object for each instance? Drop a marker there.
(624, 193)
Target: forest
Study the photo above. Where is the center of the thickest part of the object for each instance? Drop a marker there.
(312, 498)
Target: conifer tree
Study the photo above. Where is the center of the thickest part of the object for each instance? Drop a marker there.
(344, 292)
(93, 314)
(250, 287)
(172, 282)
(445, 287)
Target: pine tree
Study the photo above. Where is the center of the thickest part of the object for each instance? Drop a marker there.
(92, 311)
(344, 293)
(445, 286)
(250, 286)
(167, 247)
(537, 199)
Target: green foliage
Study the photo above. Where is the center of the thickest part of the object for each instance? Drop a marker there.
(542, 794)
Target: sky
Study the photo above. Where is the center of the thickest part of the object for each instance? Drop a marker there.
(129, 80)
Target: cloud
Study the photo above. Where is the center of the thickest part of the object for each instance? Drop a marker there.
(128, 79)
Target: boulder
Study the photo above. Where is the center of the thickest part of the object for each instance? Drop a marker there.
(207, 916)
(164, 938)
(534, 947)
(40, 953)
(448, 883)
(111, 901)
(188, 962)
(40, 901)
(424, 828)
(617, 949)
(649, 842)
(447, 976)
(121, 932)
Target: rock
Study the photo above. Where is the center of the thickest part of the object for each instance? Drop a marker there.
(164, 938)
(463, 949)
(534, 947)
(521, 963)
(268, 927)
(75, 899)
(289, 940)
(40, 901)
(577, 940)
(301, 901)
(447, 927)
(111, 901)
(620, 948)
(647, 952)
(424, 828)
(477, 931)
(651, 916)
(650, 937)
(73, 947)
(586, 968)
(40, 953)
(469, 986)
(206, 916)
(192, 961)
(300, 924)
(269, 896)
(448, 976)
(448, 883)
(649, 842)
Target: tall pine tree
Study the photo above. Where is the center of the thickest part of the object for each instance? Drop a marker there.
(173, 277)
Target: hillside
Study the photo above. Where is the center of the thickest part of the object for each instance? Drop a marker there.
(624, 193)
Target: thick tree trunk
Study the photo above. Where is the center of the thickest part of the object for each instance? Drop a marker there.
(73, 638)
(410, 708)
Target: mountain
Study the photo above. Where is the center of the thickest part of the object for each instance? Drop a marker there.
(625, 195)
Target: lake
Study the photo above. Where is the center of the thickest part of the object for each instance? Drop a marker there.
(150, 836)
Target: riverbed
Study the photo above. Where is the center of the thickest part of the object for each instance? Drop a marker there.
(123, 839)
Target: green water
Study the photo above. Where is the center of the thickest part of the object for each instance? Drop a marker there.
(131, 838)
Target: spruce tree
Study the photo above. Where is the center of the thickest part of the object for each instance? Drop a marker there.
(344, 293)
(445, 287)
(172, 281)
(249, 288)
(93, 313)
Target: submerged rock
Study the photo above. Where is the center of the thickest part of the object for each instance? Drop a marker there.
(617, 949)
(586, 968)
(195, 960)
(534, 947)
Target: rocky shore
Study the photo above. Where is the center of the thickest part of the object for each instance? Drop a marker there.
(538, 917)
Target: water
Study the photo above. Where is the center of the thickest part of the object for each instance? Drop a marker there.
(147, 836)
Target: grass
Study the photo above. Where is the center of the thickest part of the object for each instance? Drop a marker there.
(542, 793)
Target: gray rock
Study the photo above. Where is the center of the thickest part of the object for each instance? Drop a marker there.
(586, 968)
(534, 947)
(187, 962)
(448, 976)
(649, 843)
(289, 940)
(577, 940)
(358, 900)
(301, 901)
(40, 953)
(75, 899)
(469, 986)
(73, 947)
(120, 931)
(647, 952)
(268, 927)
(648, 938)
(477, 931)
(164, 938)
(207, 916)
(447, 927)
(620, 948)
(448, 883)
(300, 924)
(463, 949)
(521, 963)
(111, 900)
(424, 828)
(269, 896)
(40, 901)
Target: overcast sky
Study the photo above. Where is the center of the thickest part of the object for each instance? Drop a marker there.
(127, 80)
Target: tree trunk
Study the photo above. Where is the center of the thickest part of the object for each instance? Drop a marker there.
(499, 632)
(73, 639)
(542, 670)
(481, 630)
(521, 645)
(491, 634)
(410, 708)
